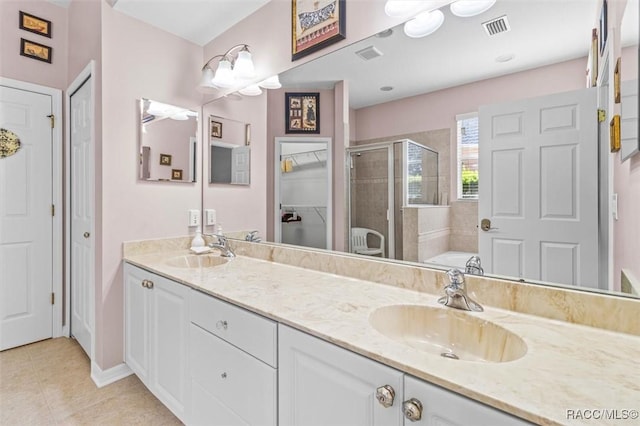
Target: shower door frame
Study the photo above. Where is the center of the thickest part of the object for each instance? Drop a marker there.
(391, 249)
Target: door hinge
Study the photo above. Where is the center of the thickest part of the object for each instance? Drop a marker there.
(602, 115)
(53, 209)
(53, 298)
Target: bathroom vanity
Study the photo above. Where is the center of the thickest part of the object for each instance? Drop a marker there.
(251, 341)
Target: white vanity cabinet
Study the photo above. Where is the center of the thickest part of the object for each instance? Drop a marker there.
(323, 384)
(233, 364)
(156, 336)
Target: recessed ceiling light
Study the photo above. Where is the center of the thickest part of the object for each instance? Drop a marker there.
(468, 8)
(424, 23)
(505, 58)
(384, 34)
(386, 88)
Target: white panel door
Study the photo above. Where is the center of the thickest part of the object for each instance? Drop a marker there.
(240, 165)
(26, 223)
(539, 163)
(82, 241)
(322, 384)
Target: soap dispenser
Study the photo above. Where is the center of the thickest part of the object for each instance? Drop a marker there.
(198, 241)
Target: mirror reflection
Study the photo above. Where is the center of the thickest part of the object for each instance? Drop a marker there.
(430, 90)
(167, 142)
(229, 152)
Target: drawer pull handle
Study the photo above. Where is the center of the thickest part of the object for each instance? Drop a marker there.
(147, 283)
(412, 409)
(223, 375)
(222, 325)
(385, 395)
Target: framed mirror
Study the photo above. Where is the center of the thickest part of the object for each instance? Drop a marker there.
(167, 142)
(229, 151)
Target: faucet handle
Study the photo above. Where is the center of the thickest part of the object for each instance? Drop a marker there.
(456, 277)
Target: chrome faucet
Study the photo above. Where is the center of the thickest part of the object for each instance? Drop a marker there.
(253, 237)
(473, 267)
(222, 245)
(456, 293)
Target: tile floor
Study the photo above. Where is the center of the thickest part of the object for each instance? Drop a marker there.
(49, 383)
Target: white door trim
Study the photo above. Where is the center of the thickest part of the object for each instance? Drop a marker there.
(276, 192)
(56, 158)
(86, 73)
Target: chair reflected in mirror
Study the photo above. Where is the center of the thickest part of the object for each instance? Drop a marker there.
(359, 243)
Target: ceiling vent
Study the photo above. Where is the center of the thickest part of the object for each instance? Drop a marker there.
(497, 26)
(369, 53)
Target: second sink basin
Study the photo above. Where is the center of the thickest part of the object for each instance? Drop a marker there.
(197, 261)
(448, 332)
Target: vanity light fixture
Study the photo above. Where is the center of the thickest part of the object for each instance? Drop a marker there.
(251, 90)
(272, 82)
(424, 23)
(231, 69)
(159, 109)
(469, 8)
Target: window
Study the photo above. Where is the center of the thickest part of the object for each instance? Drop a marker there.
(467, 156)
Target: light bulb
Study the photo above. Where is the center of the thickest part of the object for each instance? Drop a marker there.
(207, 78)
(468, 8)
(224, 75)
(424, 23)
(243, 67)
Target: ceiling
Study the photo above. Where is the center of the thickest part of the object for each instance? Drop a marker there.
(542, 32)
(198, 21)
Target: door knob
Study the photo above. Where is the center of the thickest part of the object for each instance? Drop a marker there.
(485, 225)
(87, 235)
(385, 395)
(412, 409)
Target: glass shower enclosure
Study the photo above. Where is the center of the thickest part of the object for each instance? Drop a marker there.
(385, 177)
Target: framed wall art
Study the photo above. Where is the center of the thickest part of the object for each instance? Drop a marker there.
(165, 159)
(616, 82)
(176, 174)
(316, 24)
(35, 25)
(34, 50)
(302, 113)
(216, 129)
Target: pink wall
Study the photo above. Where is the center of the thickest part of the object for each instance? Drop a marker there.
(239, 207)
(12, 65)
(438, 110)
(138, 61)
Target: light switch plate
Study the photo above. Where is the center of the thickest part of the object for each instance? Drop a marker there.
(194, 217)
(210, 215)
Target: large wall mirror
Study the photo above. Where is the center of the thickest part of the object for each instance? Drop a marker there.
(435, 85)
(167, 142)
(229, 151)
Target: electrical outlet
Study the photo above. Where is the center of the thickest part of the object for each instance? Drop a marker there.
(194, 217)
(210, 215)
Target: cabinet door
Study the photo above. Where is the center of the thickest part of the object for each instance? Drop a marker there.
(136, 321)
(441, 407)
(322, 384)
(169, 342)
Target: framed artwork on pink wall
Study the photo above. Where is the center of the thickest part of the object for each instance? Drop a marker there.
(34, 24)
(34, 50)
(302, 113)
(316, 24)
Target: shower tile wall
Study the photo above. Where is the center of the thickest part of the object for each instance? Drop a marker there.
(464, 226)
(426, 232)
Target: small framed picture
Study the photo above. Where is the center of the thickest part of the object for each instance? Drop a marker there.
(216, 129)
(165, 160)
(176, 174)
(614, 134)
(616, 82)
(34, 50)
(34, 24)
(302, 112)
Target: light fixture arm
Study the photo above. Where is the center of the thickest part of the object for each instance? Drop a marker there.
(226, 55)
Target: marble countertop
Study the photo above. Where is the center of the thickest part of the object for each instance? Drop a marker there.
(567, 367)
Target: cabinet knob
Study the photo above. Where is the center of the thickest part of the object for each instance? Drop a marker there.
(385, 395)
(221, 325)
(86, 235)
(224, 375)
(412, 409)
(147, 283)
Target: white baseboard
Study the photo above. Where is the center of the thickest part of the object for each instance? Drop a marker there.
(105, 377)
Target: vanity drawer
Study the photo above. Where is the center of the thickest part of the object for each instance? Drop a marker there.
(248, 331)
(229, 386)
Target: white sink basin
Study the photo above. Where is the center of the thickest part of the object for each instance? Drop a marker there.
(197, 261)
(448, 332)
